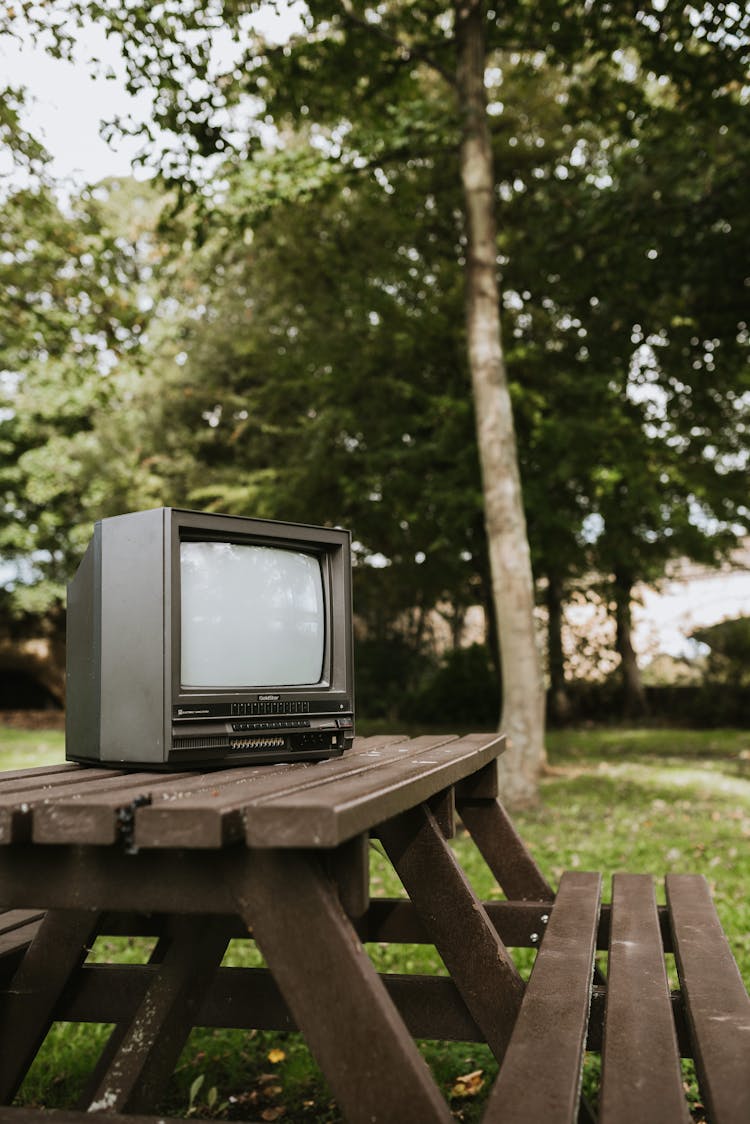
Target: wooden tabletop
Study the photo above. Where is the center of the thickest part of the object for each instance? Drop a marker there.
(293, 805)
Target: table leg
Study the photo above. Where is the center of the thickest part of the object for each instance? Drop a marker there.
(329, 983)
(453, 916)
(142, 1057)
(58, 949)
(504, 851)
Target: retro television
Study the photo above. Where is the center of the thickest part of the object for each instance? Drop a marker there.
(201, 640)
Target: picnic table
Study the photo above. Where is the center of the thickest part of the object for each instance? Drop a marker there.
(281, 853)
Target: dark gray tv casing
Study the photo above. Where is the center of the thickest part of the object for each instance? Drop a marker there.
(125, 704)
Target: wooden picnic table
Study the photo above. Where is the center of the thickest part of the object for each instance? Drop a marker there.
(282, 853)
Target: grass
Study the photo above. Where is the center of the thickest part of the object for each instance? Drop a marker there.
(23, 749)
(636, 799)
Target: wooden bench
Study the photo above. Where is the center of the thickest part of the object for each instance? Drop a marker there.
(199, 859)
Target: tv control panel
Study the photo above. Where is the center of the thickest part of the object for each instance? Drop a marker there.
(199, 710)
(261, 730)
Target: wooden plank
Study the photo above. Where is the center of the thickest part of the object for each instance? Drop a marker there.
(443, 808)
(482, 785)
(717, 1004)
(340, 1004)
(76, 804)
(13, 947)
(19, 797)
(349, 867)
(247, 998)
(92, 815)
(214, 815)
(503, 850)
(450, 911)
(35, 772)
(518, 924)
(326, 815)
(11, 919)
(58, 948)
(596, 1021)
(641, 1075)
(540, 1078)
(18, 927)
(105, 878)
(147, 1053)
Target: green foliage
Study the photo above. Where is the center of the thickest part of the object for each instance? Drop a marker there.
(291, 342)
(462, 693)
(729, 658)
(23, 149)
(76, 404)
(388, 672)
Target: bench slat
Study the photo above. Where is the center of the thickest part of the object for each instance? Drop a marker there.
(717, 1005)
(641, 1076)
(540, 1077)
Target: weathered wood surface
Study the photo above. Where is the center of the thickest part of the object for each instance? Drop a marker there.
(294, 805)
(456, 922)
(641, 1075)
(540, 1078)
(59, 948)
(281, 853)
(717, 1005)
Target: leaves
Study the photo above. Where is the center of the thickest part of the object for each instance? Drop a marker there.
(468, 1085)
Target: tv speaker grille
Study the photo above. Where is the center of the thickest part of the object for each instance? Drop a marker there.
(210, 741)
(226, 741)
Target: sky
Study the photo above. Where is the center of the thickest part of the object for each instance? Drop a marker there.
(67, 104)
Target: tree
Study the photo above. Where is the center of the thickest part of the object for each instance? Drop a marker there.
(510, 558)
(360, 73)
(633, 269)
(71, 447)
(367, 91)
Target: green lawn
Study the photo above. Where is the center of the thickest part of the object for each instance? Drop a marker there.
(641, 800)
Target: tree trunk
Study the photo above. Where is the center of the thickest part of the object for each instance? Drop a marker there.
(559, 700)
(510, 560)
(634, 695)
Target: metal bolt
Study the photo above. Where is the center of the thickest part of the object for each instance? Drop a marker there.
(534, 938)
(545, 918)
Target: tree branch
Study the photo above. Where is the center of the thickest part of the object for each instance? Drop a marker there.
(408, 53)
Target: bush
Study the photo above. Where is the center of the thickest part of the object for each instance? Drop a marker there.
(386, 672)
(729, 658)
(462, 692)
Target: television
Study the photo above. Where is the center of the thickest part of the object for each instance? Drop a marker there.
(202, 640)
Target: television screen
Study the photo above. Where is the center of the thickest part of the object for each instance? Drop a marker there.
(251, 616)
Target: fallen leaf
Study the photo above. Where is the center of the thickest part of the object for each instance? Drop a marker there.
(468, 1085)
(275, 1056)
(273, 1113)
